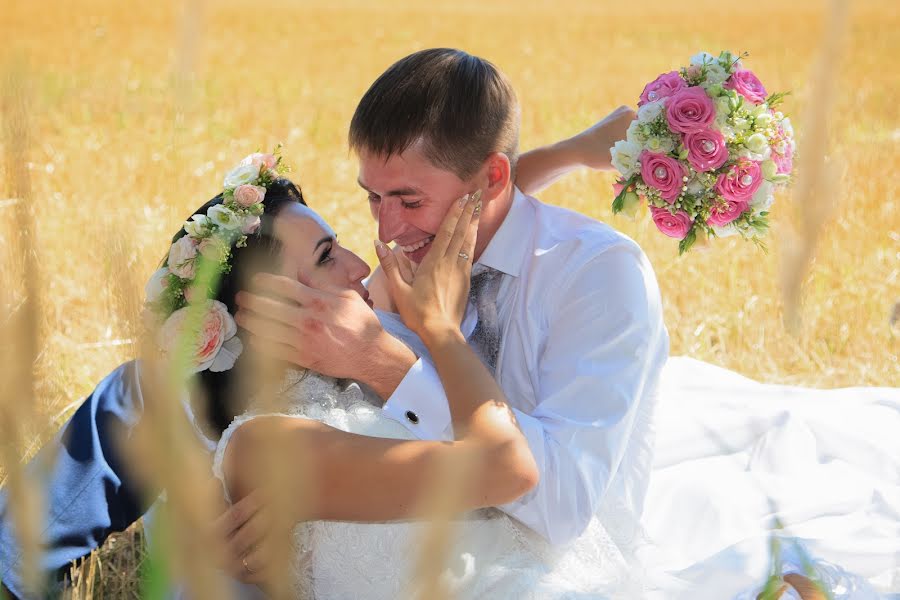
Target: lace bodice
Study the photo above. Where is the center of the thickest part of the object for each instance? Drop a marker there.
(492, 555)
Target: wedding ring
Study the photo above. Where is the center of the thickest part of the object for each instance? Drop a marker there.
(246, 566)
(464, 256)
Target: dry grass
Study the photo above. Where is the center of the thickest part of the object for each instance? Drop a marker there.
(136, 109)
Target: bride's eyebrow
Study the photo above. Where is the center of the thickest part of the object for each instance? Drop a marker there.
(324, 240)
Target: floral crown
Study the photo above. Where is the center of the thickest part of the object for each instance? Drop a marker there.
(180, 294)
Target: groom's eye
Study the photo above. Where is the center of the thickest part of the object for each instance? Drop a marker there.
(411, 204)
(374, 198)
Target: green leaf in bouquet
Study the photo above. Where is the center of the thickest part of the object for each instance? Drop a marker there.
(619, 202)
(776, 99)
(688, 241)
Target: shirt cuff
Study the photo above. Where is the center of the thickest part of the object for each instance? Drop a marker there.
(419, 402)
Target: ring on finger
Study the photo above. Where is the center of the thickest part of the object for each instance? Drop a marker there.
(464, 256)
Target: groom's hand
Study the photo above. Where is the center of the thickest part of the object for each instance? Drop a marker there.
(334, 333)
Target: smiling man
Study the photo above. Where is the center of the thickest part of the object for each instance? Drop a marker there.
(564, 310)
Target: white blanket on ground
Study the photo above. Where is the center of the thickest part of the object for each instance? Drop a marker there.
(733, 454)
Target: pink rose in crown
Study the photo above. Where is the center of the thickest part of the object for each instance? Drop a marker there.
(258, 159)
(691, 109)
(725, 212)
(748, 85)
(216, 328)
(675, 226)
(663, 173)
(741, 181)
(706, 148)
(247, 195)
(662, 87)
(250, 225)
(181, 257)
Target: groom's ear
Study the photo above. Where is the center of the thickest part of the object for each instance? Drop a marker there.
(498, 174)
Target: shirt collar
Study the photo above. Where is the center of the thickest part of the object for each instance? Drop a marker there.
(508, 248)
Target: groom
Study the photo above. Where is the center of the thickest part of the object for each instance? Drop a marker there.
(569, 314)
(569, 320)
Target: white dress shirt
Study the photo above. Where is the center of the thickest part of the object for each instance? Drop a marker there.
(582, 347)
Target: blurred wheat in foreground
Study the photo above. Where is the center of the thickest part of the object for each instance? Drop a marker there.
(119, 120)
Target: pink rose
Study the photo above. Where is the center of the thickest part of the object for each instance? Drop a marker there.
(258, 159)
(741, 181)
(745, 83)
(783, 152)
(690, 110)
(181, 257)
(217, 327)
(675, 226)
(725, 212)
(248, 195)
(250, 225)
(662, 87)
(663, 173)
(706, 149)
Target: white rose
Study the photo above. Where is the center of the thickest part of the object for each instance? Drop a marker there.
(725, 230)
(224, 217)
(157, 285)
(763, 121)
(757, 143)
(769, 169)
(787, 126)
(695, 186)
(741, 124)
(634, 133)
(660, 144)
(763, 198)
(624, 157)
(181, 257)
(250, 224)
(715, 74)
(195, 227)
(241, 175)
(650, 112)
(702, 58)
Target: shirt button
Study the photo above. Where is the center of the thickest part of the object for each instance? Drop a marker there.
(412, 417)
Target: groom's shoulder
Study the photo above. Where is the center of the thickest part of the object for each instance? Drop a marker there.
(562, 233)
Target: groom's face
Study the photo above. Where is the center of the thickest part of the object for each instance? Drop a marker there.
(409, 198)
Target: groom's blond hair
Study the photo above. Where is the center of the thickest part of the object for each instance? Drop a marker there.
(461, 107)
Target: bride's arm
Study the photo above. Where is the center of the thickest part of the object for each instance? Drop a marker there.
(540, 167)
(359, 478)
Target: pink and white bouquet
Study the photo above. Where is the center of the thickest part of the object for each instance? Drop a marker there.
(706, 152)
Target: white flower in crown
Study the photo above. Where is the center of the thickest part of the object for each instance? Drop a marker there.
(157, 285)
(198, 226)
(181, 257)
(241, 175)
(213, 346)
(224, 217)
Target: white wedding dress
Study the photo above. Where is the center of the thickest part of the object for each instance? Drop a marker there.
(731, 455)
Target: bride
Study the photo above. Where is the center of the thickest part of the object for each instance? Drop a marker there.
(361, 492)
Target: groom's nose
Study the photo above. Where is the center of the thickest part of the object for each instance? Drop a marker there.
(390, 220)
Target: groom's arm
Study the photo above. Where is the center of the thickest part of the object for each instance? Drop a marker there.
(604, 348)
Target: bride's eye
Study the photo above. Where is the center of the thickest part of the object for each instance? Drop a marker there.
(326, 256)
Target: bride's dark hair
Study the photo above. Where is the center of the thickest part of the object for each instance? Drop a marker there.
(221, 396)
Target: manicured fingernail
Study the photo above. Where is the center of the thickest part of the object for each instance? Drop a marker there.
(476, 197)
(380, 249)
(462, 201)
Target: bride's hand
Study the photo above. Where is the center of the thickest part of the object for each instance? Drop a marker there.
(434, 299)
(592, 145)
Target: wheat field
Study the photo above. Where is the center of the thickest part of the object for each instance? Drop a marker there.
(120, 119)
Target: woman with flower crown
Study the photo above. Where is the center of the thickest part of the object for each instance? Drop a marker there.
(364, 466)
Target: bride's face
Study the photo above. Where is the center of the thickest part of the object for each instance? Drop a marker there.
(312, 255)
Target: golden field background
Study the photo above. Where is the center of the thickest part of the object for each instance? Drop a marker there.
(135, 110)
